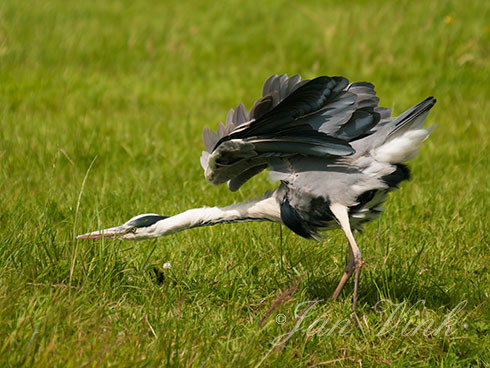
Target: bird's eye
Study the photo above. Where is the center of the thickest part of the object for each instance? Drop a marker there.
(133, 230)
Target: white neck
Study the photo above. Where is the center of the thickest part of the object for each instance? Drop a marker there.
(261, 210)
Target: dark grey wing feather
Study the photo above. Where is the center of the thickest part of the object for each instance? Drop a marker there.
(210, 139)
(365, 93)
(329, 119)
(384, 114)
(235, 183)
(264, 105)
(294, 82)
(359, 123)
(240, 115)
(309, 146)
(229, 116)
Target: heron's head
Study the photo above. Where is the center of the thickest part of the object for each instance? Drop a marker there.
(138, 228)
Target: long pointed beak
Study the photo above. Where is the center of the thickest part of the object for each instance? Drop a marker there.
(112, 232)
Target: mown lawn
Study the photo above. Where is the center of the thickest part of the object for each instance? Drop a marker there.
(102, 105)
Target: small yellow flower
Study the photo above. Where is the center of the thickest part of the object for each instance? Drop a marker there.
(448, 19)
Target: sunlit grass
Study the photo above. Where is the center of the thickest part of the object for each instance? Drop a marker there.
(128, 86)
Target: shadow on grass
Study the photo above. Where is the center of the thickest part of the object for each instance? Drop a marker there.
(396, 288)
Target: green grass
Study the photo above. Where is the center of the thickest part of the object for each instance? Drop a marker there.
(129, 85)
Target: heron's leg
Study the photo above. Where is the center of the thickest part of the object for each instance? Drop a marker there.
(355, 256)
(349, 270)
(358, 265)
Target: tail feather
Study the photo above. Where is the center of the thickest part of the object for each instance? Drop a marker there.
(413, 118)
(406, 134)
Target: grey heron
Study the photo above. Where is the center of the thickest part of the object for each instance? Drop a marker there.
(335, 152)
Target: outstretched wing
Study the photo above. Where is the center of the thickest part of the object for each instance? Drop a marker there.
(308, 118)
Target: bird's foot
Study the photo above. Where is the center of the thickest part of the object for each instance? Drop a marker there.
(355, 319)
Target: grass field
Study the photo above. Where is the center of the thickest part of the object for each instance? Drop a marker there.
(102, 106)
